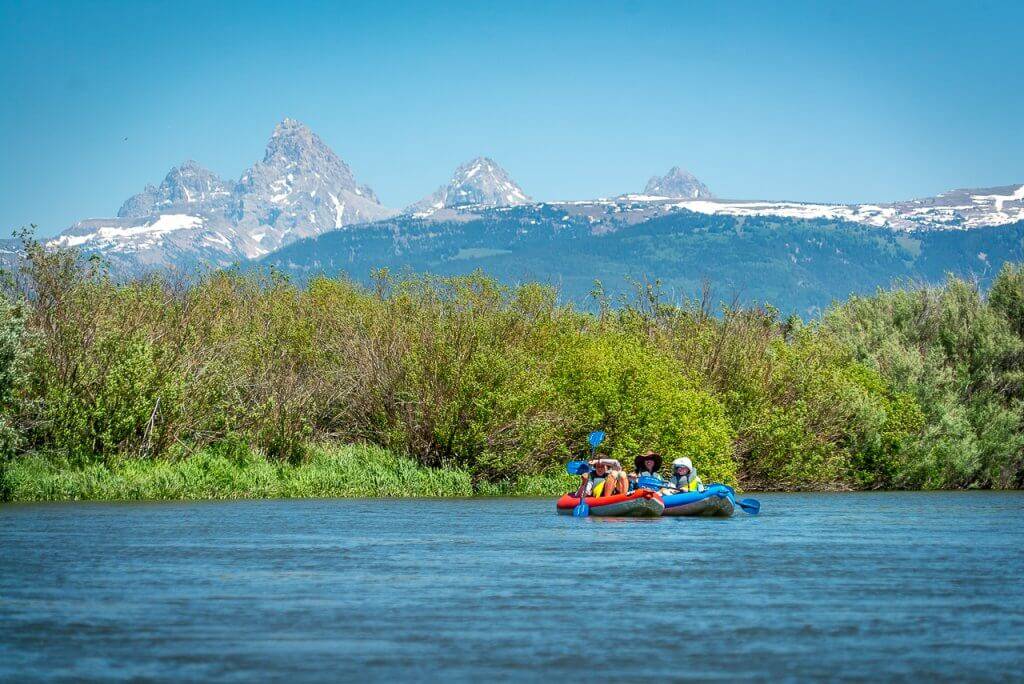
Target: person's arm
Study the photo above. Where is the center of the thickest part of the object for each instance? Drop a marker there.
(582, 491)
(610, 462)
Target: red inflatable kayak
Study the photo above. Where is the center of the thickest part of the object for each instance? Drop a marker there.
(639, 504)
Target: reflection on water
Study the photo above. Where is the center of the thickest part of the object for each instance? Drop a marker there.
(830, 586)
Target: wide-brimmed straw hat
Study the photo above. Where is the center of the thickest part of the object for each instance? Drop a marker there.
(639, 461)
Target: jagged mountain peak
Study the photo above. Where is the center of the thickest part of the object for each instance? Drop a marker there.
(678, 182)
(299, 189)
(294, 145)
(478, 182)
(288, 124)
(185, 185)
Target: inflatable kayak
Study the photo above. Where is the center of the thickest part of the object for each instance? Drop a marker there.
(715, 500)
(638, 504)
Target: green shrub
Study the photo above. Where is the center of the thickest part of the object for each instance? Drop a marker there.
(12, 375)
(222, 384)
(644, 400)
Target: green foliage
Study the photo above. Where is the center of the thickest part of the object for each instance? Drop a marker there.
(1007, 296)
(224, 386)
(962, 359)
(12, 375)
(645, 400)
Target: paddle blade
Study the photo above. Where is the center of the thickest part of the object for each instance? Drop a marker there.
(577, 467)
(582, 510)
(751, 506)
(595, 438)
(650, 482)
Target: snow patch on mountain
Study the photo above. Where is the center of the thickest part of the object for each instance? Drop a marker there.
(132, 237)
(954, 210)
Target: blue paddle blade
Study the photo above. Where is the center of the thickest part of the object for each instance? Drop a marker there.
(582, 510)
(650, 482)
(751, 506)
(577, 467)
(595, 438)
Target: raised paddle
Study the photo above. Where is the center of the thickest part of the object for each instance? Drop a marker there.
(751, 506)
(595, 438)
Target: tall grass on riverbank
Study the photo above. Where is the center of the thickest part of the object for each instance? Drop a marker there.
(919, 387)
(343, 472)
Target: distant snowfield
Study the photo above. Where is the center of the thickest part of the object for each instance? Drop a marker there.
(981, 211)
(146, 235)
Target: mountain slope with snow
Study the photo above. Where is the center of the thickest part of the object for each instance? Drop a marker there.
(955, 210)
(300, 188)
(478, 183)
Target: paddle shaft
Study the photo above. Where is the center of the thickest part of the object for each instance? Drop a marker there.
(582, 509)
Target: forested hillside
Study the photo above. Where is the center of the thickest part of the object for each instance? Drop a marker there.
(795, 265)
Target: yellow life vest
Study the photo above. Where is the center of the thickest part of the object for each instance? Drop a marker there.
(692, 486)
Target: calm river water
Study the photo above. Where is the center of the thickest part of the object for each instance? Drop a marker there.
(825, 586)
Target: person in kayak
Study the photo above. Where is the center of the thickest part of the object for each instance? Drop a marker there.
(648, 465)
(684, 476)
(607, 479)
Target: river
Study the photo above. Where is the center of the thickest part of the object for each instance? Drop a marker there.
(832, 586)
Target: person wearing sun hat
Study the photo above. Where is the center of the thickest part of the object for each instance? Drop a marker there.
(648, 463)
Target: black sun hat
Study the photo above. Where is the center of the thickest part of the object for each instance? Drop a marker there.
(639, 461)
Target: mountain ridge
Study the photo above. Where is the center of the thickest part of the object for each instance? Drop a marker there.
(302, 189)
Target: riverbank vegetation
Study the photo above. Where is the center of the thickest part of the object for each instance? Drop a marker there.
(149, 389)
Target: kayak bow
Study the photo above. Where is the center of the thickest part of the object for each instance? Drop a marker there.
(638, 504)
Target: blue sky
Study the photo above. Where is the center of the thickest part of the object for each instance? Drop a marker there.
(808, 101)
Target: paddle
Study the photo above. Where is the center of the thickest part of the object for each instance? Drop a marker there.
(751, 506)
(595, 438)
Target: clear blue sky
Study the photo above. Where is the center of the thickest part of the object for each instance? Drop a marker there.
(808, 101)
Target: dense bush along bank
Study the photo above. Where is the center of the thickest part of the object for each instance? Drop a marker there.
(917, 387)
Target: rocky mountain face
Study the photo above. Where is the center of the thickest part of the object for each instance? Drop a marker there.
(479, 183)
(677, 183)
(185, 188)
(300, 188)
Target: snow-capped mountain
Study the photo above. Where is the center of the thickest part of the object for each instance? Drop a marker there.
(301, 188)
(477, 183)
(184, 188)
(954, 210)
(677, 183)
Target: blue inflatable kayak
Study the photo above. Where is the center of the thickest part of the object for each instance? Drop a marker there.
(716, 499)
